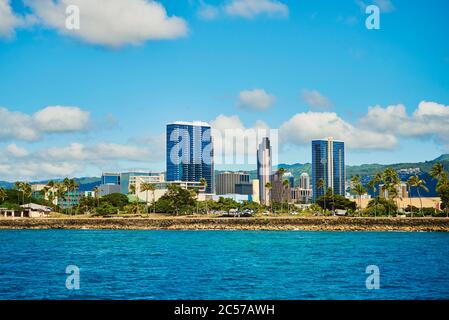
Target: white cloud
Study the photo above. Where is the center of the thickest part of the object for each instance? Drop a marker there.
(315, 99)
(208, 12)
(73, 159)
(304, 127)
(16, 151)
(52, 119)
(430, 119)
(253, 8)
(8, 21)
(113, 24)
(257, 99)
(236, 144)
(61, 119)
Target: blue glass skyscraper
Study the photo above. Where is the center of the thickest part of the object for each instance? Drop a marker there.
(190, 153)
(328, 164)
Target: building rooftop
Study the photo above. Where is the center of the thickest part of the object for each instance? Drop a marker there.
(193, 123)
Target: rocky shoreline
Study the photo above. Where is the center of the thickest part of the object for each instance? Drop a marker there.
(208, 223)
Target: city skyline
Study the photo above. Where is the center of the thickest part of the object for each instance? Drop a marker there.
(90, 101)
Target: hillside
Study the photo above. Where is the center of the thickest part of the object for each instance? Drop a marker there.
(364, 170)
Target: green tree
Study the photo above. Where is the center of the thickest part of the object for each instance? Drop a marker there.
(203, 183)
(374, 182)
(437, 172)
(3, 195)
(285, 185)
(320, 186)
(419, 184)
(269, 186)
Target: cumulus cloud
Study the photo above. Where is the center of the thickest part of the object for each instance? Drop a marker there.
(16, 151)
(73, 159)
(430, 119)
(253, 8)
(235, 143)
(257, 100)
(315, 99)
(52, 119)
(304, 127)
(113, 24)
(61, 119)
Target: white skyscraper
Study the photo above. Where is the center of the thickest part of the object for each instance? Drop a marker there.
(264, 171)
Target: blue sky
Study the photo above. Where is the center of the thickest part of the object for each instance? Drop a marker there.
(308, 68)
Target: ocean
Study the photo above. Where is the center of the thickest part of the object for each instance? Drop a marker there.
(122, 264)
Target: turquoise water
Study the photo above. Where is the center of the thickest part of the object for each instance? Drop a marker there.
(222, 264)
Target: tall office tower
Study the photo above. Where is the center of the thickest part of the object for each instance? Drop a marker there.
(304, 181)
(110, 178)
(328, 164)
(190, 153)
(226, 182)
(264, 169)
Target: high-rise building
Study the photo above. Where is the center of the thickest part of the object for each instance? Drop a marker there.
(190, 153)
(110, 178)
(304, 181)
(226, 182)
(264, 169)
(328, 165)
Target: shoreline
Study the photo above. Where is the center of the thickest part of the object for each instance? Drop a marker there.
(216, 223)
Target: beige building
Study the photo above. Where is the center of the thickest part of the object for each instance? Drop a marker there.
(256, 195)
(431, 202)
(161, 187)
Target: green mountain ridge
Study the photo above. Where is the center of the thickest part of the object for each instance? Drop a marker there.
(297, 168)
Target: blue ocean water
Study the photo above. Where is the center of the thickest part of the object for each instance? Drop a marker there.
(222, 264)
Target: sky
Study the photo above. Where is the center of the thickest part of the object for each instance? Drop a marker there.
(76, 102)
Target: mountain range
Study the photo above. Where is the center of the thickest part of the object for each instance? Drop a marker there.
(364, 171)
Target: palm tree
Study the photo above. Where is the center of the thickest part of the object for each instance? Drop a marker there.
(358, 189)
(132, 190)
(410, 183)
(152, 188)
(145, 188)
(96, 191)
(268, 187)
(51, 192)
(19, 186)
(391, 182)
(61, 192)
(372, 186)
(437, 171)
(281, 173)
(419, 183)
(3, 195)
(27, 191)
(320, 186)
(203, 183)
(285, 185)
